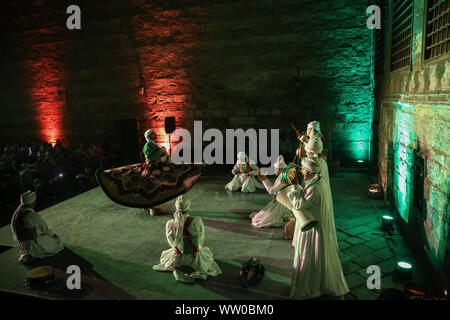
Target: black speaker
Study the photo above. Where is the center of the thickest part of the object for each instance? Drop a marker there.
(169, 124)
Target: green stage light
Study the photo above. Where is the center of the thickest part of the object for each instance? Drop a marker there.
(361, 161)
(387, 223)
(403, 272)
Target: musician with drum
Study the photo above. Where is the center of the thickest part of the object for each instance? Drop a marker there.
(317, 268)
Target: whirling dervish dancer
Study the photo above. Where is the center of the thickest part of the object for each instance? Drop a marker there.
(186, 235)
(148, 184)
(273, 214)
(244, 172)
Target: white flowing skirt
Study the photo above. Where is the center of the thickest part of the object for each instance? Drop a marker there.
(272, 215)
(203, 262)
(244, 182)
(317, 268)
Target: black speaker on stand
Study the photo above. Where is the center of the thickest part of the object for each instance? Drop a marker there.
(169, 127)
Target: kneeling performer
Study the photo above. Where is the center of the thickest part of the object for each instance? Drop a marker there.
(187, 257)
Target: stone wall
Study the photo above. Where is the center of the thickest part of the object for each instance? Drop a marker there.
(231, 64)
(413, 117)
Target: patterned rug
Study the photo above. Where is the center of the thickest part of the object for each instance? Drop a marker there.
(139, 186)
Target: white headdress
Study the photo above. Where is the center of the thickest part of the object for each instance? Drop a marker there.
(280, 164)
(242, 157)
(311, 165)
(27, 198)
(314, 144)
(182, 204)
(148, 134)
(314, 125)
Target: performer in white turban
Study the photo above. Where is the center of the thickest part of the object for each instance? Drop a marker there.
(153, 153)
(273, 214)
(314, 149)
(32, 234)
(312, 129)
(186, 236)
(317, 268)
(244, 175)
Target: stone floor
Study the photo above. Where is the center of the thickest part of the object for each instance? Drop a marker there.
(123, 243)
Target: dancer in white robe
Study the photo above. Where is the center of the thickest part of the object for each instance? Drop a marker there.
(244, 172)
(273, 214)
(32, 233)
(186, 236)
(317, 268)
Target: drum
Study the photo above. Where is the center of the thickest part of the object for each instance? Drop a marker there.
(283, 199)
(40, 277)
(305, 221)
(289, 229)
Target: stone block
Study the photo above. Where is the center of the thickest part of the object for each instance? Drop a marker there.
(357, 250)
(384, 254)
(355, 240)
(367, 260)
(355, 280)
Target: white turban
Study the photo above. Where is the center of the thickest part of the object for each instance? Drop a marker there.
(181, 204)
(280, 164)
(314, 144)
(242, 157)
(148, 134)
(314, 125)
(27, 198)
(311, 165)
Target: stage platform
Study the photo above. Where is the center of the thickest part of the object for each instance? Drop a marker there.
(122, 244)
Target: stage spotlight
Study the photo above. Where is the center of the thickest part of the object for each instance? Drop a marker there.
(403, 271)
(387, 223)
(61, 175)
(360, 161)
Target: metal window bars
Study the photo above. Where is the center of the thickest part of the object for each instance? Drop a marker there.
(437, 28)
(401, 34)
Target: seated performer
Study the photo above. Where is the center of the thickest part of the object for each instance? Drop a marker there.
(273, 214)
(317, 268)
(186, 236)
(32, 234)
(244, 175)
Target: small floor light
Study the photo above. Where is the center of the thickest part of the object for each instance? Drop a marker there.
(387, 223)
(360, 161)
(403, 272)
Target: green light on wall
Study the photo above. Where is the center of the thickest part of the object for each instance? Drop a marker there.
(403, 160)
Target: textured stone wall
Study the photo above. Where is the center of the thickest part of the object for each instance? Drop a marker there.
(231, 64)
(414, 117)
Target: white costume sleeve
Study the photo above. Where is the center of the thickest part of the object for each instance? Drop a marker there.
(35, 222)
(304, 200)
(197, 228)
(275, 187)
(255, 169)
(235, 168)
(169, 234)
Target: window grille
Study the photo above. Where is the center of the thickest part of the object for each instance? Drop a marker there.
(437, 28)
(402, 13)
